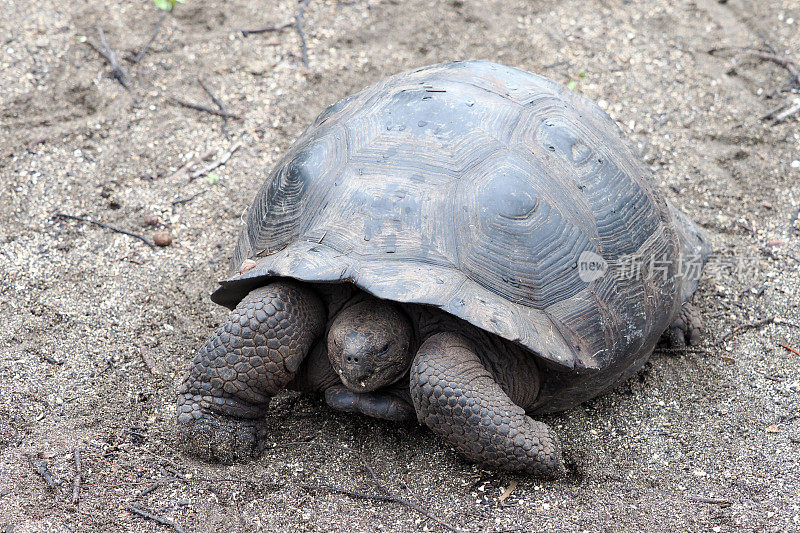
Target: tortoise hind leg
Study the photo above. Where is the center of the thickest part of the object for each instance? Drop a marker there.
(460, 400)
(247, 361)
(686, 328)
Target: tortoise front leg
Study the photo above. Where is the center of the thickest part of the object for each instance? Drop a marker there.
(459, 399)
(246, 362)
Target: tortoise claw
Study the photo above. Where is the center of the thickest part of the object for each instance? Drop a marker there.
(686, 329)
(221, 439)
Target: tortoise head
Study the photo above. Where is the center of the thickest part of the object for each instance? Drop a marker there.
(369, 345)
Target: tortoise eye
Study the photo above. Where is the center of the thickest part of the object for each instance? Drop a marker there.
(384, 349)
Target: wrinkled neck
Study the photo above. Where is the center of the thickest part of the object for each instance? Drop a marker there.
(430, 320)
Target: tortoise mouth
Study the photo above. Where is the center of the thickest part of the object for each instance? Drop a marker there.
(358, 387)
(363, 383)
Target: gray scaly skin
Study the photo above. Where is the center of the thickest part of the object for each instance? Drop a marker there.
(371, 357)
(248, 360)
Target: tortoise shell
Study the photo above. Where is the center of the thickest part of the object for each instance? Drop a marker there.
(479, 189)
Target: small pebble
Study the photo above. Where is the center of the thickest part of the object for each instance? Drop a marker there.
(162, 238)
(150, 220)
(247, 264)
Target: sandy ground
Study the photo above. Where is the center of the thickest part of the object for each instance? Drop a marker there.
(96, 326)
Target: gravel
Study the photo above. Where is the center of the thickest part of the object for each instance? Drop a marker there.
(97, 326)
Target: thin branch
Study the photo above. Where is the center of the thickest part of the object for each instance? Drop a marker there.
(722, 502)
(347, 492)
(106, 226)
(217, 103)
(742, 327)
(149, 489)
(387, 495)
(152, 38)
(381, 498)
(148, 361)
(789, 348)
(117, 72)
(195, 160)
(781, 61)
(214, 99)
(76, 483)
(681, 350)
(187, 200)
(155, 518)
(268, 29)
(41, 468)
(215, 164)
(200, 107)
(783, 115)
(508, 491)
(767, 55)
(52, 360)
(298, 24)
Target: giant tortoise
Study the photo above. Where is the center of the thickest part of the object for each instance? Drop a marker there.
(465, 243)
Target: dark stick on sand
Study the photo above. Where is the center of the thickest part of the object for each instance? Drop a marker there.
(106, 226)
(76, 483)
(298, 24)
(117, 72)
(218, 103)
(155, 518)
(152, 38)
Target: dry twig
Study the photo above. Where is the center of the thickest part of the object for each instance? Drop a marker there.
(789, 348)
(52, 360)
(117, 72)
(268, 29)
(298, 24)
(155, 518)
(200, 107)
(508, 491)
(76, 483)
(41, 468)
(195, 160)
(187, 200)
(152, 38)
(106, 226)
(686, 349)
(387, 495)
(742, 327)
(781, 61)
(768, 54)
(149, 489)
(217, 103)
(788, 112)
(215, 164)
(148, 361)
